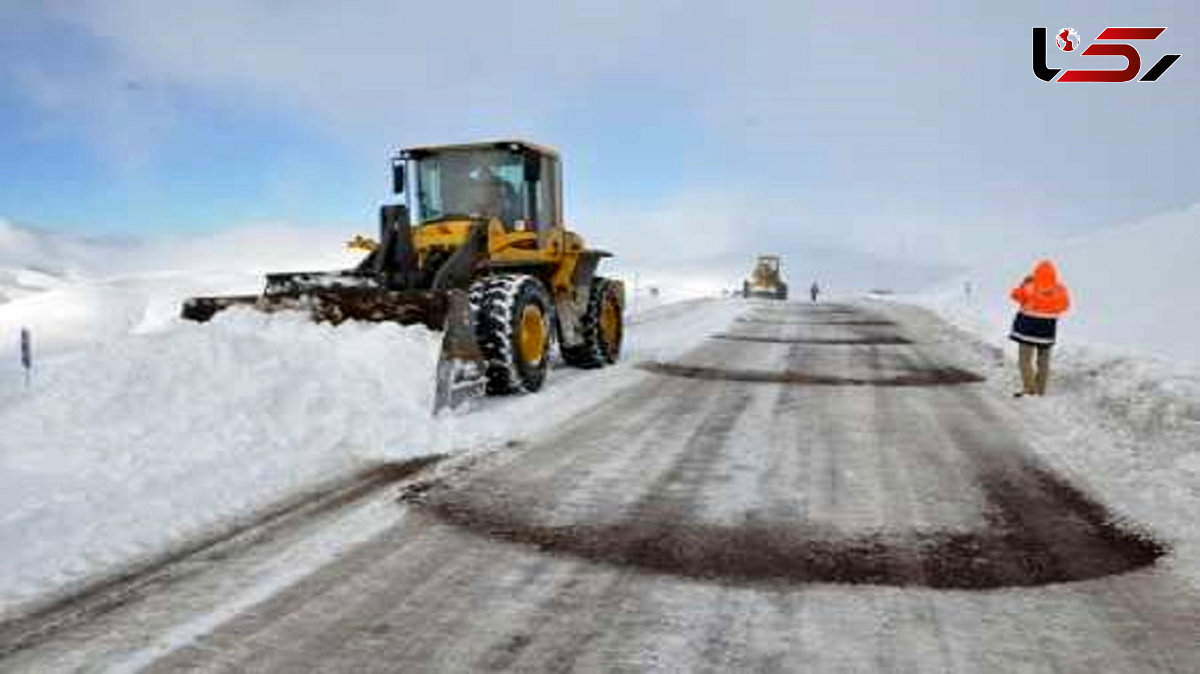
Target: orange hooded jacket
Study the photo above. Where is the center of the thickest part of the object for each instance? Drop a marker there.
(1042, 295)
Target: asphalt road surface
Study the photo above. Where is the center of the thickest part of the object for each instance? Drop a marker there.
(817, 488)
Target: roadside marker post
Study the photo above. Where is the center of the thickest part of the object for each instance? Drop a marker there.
(26, 354)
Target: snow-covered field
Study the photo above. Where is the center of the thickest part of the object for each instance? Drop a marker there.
(1123, 410)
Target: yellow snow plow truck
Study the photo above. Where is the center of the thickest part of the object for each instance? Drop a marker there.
(765, 280)
(478, 250)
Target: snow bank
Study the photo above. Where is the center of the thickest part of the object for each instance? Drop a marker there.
(144, 441)
(125, 448)
(1131, 429)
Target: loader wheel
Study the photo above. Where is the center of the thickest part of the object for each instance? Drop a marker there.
(513, 327)
(602, 328)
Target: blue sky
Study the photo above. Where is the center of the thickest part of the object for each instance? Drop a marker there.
(693, 128)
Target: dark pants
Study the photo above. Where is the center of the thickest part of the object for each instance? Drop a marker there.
(1033, 380)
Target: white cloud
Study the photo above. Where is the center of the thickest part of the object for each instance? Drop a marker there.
(408, 71)
(915, 131)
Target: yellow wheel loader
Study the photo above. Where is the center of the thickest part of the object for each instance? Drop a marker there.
(479, 250)
(766, 280)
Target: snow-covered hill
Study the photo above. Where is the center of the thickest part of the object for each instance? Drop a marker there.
(73, 291)
(33, 261)
(1135, 288)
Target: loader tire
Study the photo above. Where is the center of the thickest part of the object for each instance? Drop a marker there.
(601, 327)
(512, 324)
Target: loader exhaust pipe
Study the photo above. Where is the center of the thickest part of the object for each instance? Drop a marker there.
(394, 262)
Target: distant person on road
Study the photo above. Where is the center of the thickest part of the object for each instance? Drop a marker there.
(1042, 299)
(814, 291)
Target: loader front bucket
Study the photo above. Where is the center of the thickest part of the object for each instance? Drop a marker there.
(331, 298)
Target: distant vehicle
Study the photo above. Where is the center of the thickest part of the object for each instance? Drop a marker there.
(766, 280)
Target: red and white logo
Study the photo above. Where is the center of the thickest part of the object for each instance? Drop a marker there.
(1112, 41)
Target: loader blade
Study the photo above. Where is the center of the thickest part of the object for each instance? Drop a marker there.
(461, 375)
(330, 297)
(202, 309)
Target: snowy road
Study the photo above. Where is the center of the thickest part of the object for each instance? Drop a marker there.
(815, 488)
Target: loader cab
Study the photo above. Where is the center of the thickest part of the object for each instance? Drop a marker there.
(515, 182)
(769, 263)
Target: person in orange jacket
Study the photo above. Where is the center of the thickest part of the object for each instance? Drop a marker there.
(1043, 299)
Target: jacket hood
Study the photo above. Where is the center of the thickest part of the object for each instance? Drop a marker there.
(1044, 274)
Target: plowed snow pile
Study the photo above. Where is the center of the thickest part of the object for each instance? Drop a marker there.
(144, 440)
(122, 449)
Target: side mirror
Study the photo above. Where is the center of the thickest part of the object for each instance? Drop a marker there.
(533, 167)
(398, 176)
